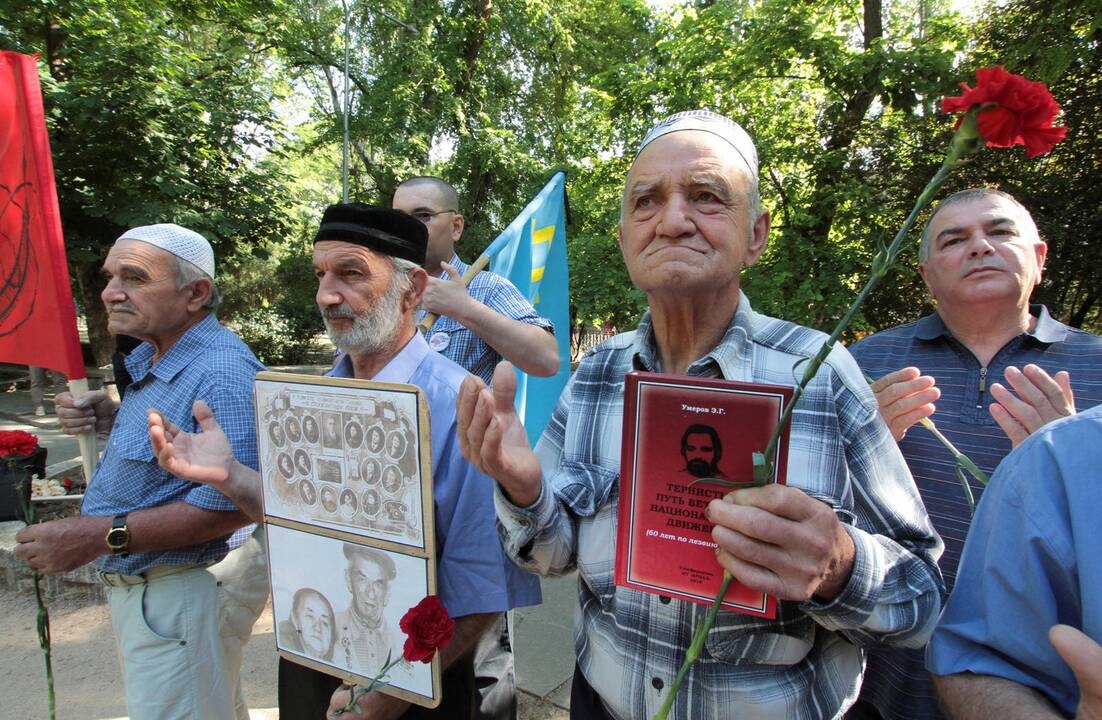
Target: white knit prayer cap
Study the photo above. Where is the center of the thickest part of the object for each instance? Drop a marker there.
(710, 122)
(181, 242)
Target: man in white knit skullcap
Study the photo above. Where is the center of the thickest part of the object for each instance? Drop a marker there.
(179, 617)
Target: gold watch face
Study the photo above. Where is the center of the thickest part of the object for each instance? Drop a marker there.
(118, 537)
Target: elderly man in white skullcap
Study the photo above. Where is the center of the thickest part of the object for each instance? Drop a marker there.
(845, 547)
(154, 537)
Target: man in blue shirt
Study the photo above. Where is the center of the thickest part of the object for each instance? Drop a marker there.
(1030, 568)
(980, 257)
(477, 326)
(370, 279)
(153, 536)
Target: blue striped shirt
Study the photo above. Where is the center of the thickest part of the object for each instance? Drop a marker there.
(896, 680)
(807, 663)
(464, 347)
(208, 362)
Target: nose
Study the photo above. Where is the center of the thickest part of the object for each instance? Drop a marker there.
(980, 245)
(328, 294)
(674, 218)
(113, 292)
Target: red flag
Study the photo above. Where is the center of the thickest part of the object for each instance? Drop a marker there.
(37, 319)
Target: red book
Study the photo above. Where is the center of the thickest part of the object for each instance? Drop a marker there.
(679, 433)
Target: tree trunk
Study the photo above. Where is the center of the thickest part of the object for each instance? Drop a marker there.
(90, 283)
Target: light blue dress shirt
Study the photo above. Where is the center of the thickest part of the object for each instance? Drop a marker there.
(473, 574)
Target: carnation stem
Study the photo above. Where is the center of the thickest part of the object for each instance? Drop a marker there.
(42, 616)
(695, 648)
(965, 140)
(359, 692)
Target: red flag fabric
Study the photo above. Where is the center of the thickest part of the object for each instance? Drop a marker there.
(37, 317)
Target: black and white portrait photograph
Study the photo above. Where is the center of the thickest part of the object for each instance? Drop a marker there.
(276, 434)
(375, 439)
(339, 603)
(308, 493)
(331, 430)
(342, 438)
(353, 434)
(293, 429)
(286, 467)
(395, 445)
(369, 471)
(302, 463)
(329, 498)
(310, 429)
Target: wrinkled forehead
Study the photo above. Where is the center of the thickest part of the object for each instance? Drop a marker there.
(983, 212)
(328, 252)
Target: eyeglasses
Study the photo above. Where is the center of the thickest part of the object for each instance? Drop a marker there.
(426, 217)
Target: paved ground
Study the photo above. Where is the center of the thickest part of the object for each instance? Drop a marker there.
(86, 667)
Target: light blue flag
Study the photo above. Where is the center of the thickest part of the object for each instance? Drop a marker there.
(531, 252)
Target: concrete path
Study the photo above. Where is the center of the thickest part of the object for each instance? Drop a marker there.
(86, 667)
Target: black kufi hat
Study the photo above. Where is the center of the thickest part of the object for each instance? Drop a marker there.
(391, 232)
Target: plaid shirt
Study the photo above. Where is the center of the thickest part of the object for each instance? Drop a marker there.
(464, 347)
(805, 664)
(208, 362)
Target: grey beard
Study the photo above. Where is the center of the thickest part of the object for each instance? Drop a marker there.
(372, 332)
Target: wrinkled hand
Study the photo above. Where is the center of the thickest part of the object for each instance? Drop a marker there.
(204, 457)
(62, 545)
(1041, 398)
(1084, 656)
(374, 705)
(778, 540)
(93, 411)
(445, 296)
(905, 397)
(492, 437)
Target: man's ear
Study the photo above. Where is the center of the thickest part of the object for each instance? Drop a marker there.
(419, 280)
(199, 292)
(922, 270)
(759, 236)
(458, 224)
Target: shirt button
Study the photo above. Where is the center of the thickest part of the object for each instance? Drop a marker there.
(657, 683)
(664, 600)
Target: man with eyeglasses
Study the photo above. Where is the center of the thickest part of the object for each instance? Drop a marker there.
(477, 326)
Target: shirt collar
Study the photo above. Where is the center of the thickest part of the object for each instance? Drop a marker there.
(1046, 330)
(400, 368)
(183, 352)
(733, 344)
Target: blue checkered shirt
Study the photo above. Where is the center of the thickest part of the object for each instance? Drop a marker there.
(805, 664)
(897, 682)
(210, 363)
(467, 349)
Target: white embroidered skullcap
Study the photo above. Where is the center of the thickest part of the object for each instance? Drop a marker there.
(710, 122)
(181, 242)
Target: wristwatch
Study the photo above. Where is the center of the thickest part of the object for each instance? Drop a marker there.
(118, 537)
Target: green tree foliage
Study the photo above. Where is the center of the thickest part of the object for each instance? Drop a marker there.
(158, 111)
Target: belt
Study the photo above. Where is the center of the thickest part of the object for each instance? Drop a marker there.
(119, 580)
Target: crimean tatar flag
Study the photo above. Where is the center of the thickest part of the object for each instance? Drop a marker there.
(37, 318)
(531, 252)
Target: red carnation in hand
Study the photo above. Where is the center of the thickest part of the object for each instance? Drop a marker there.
(1021, 111)
(17, 442)
(428, 628)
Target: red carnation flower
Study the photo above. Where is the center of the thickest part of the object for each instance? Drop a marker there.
(428, 628)
(1021, 111)
(17, 442)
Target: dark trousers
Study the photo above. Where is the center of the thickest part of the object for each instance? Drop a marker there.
(304, 693)
(585, 703)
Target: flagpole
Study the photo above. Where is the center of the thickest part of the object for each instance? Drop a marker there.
(89, 453)
(344, 162)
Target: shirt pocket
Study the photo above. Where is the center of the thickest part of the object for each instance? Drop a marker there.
(740, 639)
(133, 446)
